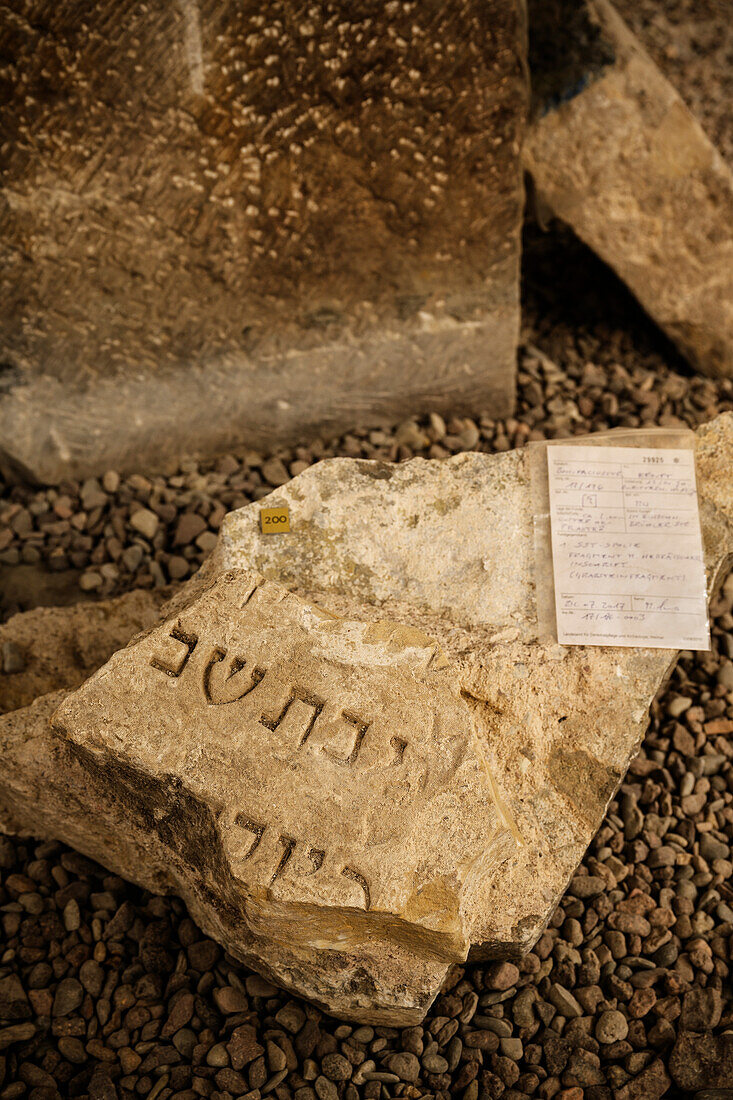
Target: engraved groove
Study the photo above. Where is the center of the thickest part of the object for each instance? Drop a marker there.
(253, 827)
(316, 856)
(302, 696)
(288, 843)
(237, 665)
(189, 640)
(350, 873)
(250, 594)
(399, 745)
(361, 728)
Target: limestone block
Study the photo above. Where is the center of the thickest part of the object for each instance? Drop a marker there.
(448, 547)
(253, 750)
(614, 152)
(54, 648)
(315, 789)
(232, 223)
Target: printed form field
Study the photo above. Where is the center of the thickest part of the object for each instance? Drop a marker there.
(627, 550)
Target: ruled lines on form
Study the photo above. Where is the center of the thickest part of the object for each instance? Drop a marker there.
(627, 549)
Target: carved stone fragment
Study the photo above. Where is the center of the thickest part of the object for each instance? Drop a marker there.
(615, 153)
(351, 804)
(60, 647)
(448, 547)
(315, 789)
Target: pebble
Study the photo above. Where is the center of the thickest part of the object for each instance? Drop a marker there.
(218, 1055)
(189, 526)
(72, 919)
(69, 995)
(325, 1089)
(292, 1017)
(13, 1000)
(564, 1001)
(611, 1027)
(434, 1063)
(274, 472)
(230, 1000)
(337, 1068)
(677, 705)
(146, 522)
(405, 1066)
(501, 976)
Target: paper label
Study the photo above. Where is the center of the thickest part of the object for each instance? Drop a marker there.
(274, 521)
(626, 547)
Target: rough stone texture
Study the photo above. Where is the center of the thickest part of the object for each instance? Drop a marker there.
(372, 539)
(185, 241)
(615, 153)
(250, 744)
(54, 648)
(557, 727)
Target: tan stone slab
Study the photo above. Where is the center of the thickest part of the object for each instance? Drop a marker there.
(53, 648)
(615, 153)
(323, 778)
(448, 547)
(151, 772)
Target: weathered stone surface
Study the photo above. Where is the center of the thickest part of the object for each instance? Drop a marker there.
(192, 257)
(148, 771)
(448, 547)
(252, 744)
(615, 153)
(59, 647)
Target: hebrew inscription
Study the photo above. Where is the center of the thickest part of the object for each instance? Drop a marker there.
(222, 687)
(301, 695)
(322, 753)
(315, 856)
(360, 729)
(226, 683)
(188, 641)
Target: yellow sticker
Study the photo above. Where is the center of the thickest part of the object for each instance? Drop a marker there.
(273, 521)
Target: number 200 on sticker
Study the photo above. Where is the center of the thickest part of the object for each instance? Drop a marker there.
(274, 521)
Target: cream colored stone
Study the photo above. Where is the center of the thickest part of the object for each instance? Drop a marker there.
(164, 767)
(448, 547)
(317, 787)
(58, 647)
(627, 166)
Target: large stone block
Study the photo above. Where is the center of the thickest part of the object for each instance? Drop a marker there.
(426, 741)
(51, 648)
(316, 789)
(222, 223)
(615, 154)
(449, 548)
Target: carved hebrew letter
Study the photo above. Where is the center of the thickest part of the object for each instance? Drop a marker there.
(220, 688)
(253, 827)
(316, 856)
(288, 843)
(251, 593)
(349, 872)
(189, 641)
(399, 746)
(360, 729)
(303, 696)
